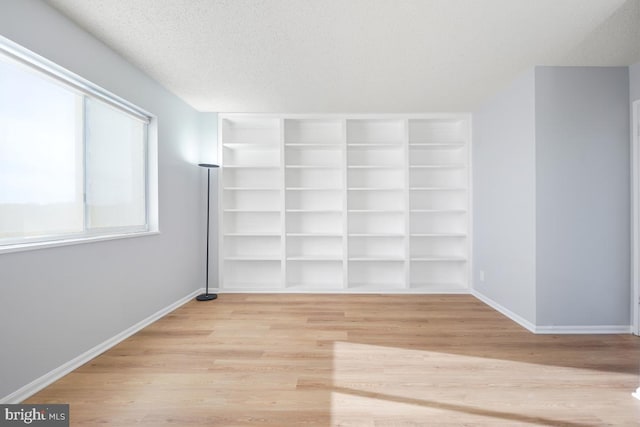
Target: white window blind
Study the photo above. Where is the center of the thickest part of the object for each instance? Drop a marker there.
(115, 172)
(73, 158)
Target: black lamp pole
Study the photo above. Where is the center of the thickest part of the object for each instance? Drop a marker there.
(207, 296)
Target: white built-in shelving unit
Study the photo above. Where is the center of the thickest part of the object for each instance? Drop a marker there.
(438, 204)
(358, 203)
(314, 182)
(376, 207)
(251, 217)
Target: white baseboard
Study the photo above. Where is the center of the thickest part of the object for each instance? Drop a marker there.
(355, 291)
(566, 330)
(510, 314)
(596, 329)
(39, 383)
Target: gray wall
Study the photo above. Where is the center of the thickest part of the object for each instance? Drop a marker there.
(551, 196)
(56, 303)
(504, 198)
(634, 82)
(582, 196)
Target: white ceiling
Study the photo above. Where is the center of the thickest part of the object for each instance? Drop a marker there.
(355, 55)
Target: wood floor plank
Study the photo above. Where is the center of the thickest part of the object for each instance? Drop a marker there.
(352, 360)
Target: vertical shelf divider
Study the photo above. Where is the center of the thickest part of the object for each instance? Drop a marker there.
(469, 247)
(345, 206)
(283, 207)
(221, 203)
(407, 207)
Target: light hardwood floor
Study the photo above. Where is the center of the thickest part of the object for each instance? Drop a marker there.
(352, 360)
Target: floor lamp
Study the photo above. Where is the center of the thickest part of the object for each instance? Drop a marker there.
(207, 296)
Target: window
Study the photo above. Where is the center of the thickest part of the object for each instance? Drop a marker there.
(73, 158)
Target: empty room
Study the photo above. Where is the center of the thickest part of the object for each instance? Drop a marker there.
(320, 212)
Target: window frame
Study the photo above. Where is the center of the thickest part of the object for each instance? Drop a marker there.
(74, 83)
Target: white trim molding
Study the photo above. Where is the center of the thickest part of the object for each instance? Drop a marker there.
(67, 242)
(342, 291)
(591, 329)
(39, 383)
(67, 78)
(500, 308)
(560, 329)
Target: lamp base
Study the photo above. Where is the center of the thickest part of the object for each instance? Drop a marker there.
(206, 297)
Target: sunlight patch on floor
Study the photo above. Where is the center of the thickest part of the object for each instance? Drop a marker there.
(352, 409)
(381, 382)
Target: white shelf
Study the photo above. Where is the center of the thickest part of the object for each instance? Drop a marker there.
(311, 167)
(375, 167)
(376, 235)
(254, 146)
(438, 235)
(251, 211)
(250, 167)
(314, 145)
(314, 286)
(361, 203)
(437, 188)
(252, 234)
(374, 211)
(440, 287)
(437, 167)
(314, 234)
(250, 189)
(375, 189)
(367, 286)
(314, 211)
(312, 189)
(370, 146)
(437, 145)
(438, 210)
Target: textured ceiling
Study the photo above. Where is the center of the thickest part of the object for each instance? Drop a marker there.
(354, 55)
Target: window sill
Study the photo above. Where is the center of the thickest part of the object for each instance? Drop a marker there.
(21, 247)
